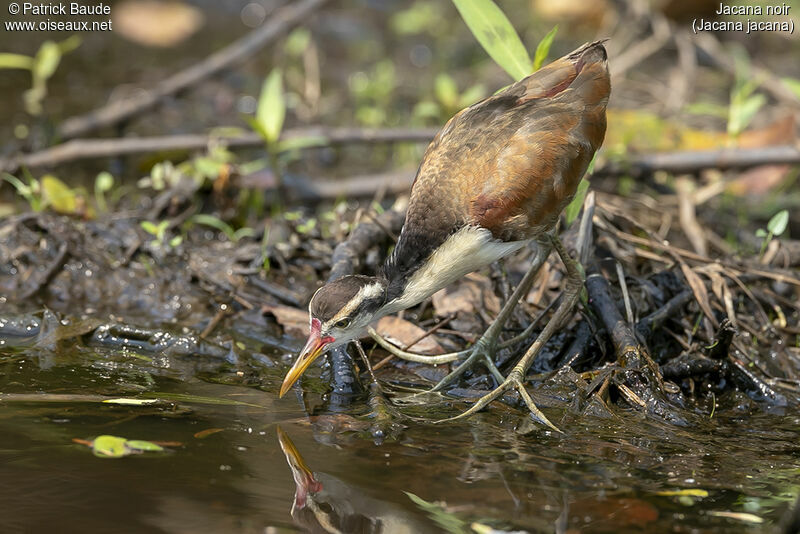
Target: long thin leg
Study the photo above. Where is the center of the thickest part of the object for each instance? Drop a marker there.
(517, 375)
(484, 347)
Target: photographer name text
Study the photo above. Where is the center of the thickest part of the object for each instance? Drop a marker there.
(53, 10)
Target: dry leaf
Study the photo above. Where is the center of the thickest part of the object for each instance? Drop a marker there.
(471, 293)
(158, 24)
(401, 333)
(700, 292)
(293, 320)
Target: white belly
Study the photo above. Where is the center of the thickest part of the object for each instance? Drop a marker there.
(469, 249)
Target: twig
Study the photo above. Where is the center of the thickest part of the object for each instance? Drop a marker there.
(78, 149)
(291, 15)
(690, 161)
(643, 49)
(647, 325)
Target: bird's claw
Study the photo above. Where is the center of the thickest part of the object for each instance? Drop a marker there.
(514, 380)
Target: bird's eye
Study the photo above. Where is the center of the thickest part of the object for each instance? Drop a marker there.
(343, 323)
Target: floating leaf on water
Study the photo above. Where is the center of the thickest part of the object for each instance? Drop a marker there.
(185, 397)
(131, 402)
(739, 516)
(207, 432)
(496, 35)
(110, 447)
(145, 446)
(690, 492)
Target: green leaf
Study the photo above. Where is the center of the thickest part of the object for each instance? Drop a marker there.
(46, 61)
(543, 48)
(447, 521)
(777, 224)
(690, 492)
(446, 90)
(110, 447)
(141, 445)
(471, 95)
(183, 397)
(15, 61)
(104, 182)
(297, 41)
(791, 83)
(574, 207)
(58, 194)
(741, 114)
(215, 222)
(296, 143)
(707, 108)
(69, 44)
(149, 227)
(272, 106)
(761, 233)
(497, 36)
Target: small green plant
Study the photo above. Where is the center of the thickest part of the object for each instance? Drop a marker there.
(448, 100)
(744, 101)
(265, 264)
(50, 192)
(102, 185)
(31, 191)
(218, 224)
(42, 67)
(159, 232)
(775, 227)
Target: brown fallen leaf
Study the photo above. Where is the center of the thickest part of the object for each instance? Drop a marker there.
(700, 292)
(157, 24)
(293, 320)
(403, 333)
(471, 293)
(207, 432)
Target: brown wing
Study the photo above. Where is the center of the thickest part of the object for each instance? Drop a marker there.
(511, 162)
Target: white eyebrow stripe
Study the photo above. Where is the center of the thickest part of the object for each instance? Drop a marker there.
(365, 292)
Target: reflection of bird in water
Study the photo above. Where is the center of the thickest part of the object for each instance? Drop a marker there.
(494, 180)
(323, 503)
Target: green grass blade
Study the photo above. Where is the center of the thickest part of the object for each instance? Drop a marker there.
(495, 33)
(543, 49)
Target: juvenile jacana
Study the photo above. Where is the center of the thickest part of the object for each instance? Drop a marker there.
(494, 179)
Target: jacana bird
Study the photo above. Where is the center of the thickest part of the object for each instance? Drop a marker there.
(493, 180)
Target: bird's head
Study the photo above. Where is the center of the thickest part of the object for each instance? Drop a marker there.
(338, 312)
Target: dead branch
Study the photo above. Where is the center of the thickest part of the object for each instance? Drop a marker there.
(78, 149)
(294, 13)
